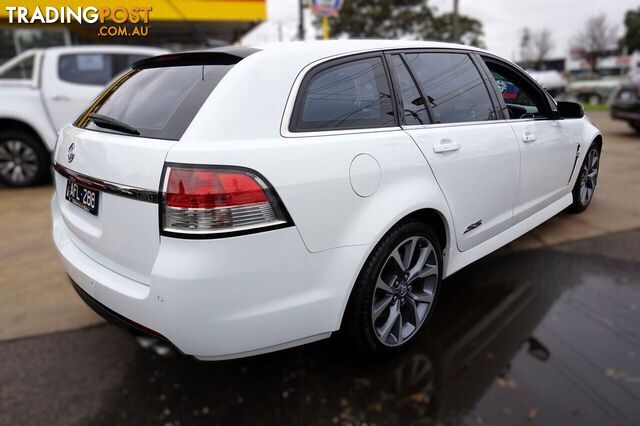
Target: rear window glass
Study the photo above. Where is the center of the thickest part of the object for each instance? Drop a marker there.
(351, 95)
(157, 102)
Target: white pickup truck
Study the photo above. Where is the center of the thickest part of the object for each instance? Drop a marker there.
(42, 90)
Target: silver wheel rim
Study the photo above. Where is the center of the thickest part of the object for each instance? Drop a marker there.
(589, 177)
(404, 291)
(18, 161)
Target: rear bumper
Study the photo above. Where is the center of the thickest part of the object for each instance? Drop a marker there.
(112, 316)
(224, 298)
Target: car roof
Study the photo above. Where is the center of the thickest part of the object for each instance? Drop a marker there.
(339, 47)
(309, 50)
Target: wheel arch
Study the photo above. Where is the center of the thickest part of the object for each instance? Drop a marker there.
(15, 124)
(429, 215)
(598, 141)
(435, 219)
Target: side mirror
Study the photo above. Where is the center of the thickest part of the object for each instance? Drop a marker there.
(570, 110)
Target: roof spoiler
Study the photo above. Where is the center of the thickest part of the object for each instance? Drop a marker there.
(218, 56)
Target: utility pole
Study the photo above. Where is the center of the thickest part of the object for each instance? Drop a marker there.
(325, 28)
(301, 35)
(456, 22)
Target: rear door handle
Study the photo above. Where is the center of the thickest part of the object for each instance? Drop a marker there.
(446, 145)
(528, 137)
(61, 98)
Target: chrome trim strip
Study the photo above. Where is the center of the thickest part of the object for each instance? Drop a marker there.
(140, 194)
(456, 124)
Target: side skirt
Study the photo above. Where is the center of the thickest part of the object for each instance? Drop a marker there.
(458, 259)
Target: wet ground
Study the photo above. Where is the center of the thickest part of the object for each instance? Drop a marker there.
(548, 336)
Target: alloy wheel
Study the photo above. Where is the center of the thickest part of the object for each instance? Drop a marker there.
(18, 161)
(404, 291)
(589, 177)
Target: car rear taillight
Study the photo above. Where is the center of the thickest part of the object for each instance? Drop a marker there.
(210, 201)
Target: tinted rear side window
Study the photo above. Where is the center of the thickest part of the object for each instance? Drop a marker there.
(158, 102)
(352, 95)
(453, 87)
(414, 110)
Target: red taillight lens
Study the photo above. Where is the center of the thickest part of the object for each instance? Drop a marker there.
(211, 200)
(194, 188)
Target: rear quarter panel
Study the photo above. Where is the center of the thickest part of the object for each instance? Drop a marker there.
(311, 175)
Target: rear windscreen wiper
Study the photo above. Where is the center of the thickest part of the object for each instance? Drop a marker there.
(113, 124)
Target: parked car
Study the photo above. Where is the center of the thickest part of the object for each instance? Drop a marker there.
(593, 92)
(41, 90)
(626, 105)
(551, 80)
(240, 201)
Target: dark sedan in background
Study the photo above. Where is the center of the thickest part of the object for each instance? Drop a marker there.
(626, 105)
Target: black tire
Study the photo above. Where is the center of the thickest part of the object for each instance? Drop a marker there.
(358, 324)
(24, 161)
(580, 203)
(635, 126)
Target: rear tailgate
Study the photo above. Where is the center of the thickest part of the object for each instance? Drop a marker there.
(118, 147)
(124, 235)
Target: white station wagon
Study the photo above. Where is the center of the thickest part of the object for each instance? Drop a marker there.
(239, 201)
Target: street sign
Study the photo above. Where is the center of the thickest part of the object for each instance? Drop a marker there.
(326, 8)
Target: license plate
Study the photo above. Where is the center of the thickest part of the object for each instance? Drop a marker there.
(83, 197)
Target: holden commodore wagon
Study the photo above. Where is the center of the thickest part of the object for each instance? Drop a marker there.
(239, 201)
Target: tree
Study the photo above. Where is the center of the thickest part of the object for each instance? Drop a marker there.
(441, 28)
(401, 19)
(542, 45)
(381, 18)
(535, 47)
(595, 39)
(631, 38)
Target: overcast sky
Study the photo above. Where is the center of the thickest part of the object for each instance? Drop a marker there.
(502, 19)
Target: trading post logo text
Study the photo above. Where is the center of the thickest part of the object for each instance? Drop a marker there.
(115, 21)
